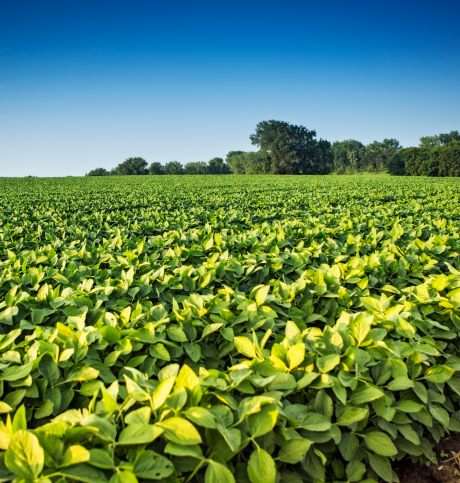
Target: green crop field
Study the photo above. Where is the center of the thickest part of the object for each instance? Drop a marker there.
(227, 328)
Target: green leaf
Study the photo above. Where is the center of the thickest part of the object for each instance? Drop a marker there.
(404, 328)
(315, 422)
(84, 472)
(351, 415)
(307, 380)
(201, 416)
(261, 294)
(348, 446)
(440, 415)
(355, 471)
(48, 368)
(408, 406)
(263, 421)
(100, 459)
(218, 473)
(209, 329)
(75, 454)
(105, 430)
(180, 431)
(371, 304)
(244, 346)
(296, 355)
(180, 450)
(365, 394)
(83, 374)
(382, 466)
(139, 434)
(380, 443)
(193, 351)
(24, 456)
(159, 351)
(110, 403)
(294, 450)
(152, 466)
(15, 373)
(176, 334)
(439, 374)
(162, 392)
(19, 420)
(327, 363)
(400, 384)
(360, 326)
(5, 408)
(261, 467)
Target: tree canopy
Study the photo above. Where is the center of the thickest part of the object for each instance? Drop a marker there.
(156, 168)
(286, 148)
(292, 149)
(98, 172)
(439, 139)
(133, 166)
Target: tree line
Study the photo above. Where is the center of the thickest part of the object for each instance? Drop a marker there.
(285, 148)
(139, 166)
(435, 156)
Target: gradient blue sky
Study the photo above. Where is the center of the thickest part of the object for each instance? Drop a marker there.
(89, 83)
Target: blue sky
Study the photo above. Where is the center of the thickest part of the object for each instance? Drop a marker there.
(87, 84)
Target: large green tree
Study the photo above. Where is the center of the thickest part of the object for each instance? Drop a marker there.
(378, 153)
(217, 166)
(156, 168)
(292, 149)
(174, 167)
(347, 153)
(248, 162)
(439, 139)
(133, 166)
(98, 172)
(196, 167)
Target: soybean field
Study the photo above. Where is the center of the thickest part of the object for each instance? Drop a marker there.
(222, 329)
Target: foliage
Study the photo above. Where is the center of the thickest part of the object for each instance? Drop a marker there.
(98, 172)
(248, 162)
(439, 140)
(342, 150)
(197, 167)
(292, 149)
(218, 166)
(223, 329)
(378, 153)
(396, 165)
(174, 167)
(156, 169)
(132, 166)
(438, 161)
(449, 159)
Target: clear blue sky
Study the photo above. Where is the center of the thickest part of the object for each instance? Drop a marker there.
(87, 84)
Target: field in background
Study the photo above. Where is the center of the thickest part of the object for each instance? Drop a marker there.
(222, 328)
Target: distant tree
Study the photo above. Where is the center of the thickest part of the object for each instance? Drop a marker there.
(114, 172)
(196, 167)
(174, 167)
(396, 165)
(439, 139)
(230, 154)
(133, 166)
(156, 168)
(378, 153)
(98, 172)
(291, 149)
(449, 160)
(341, 150)
(248, 163)
(217, 166)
